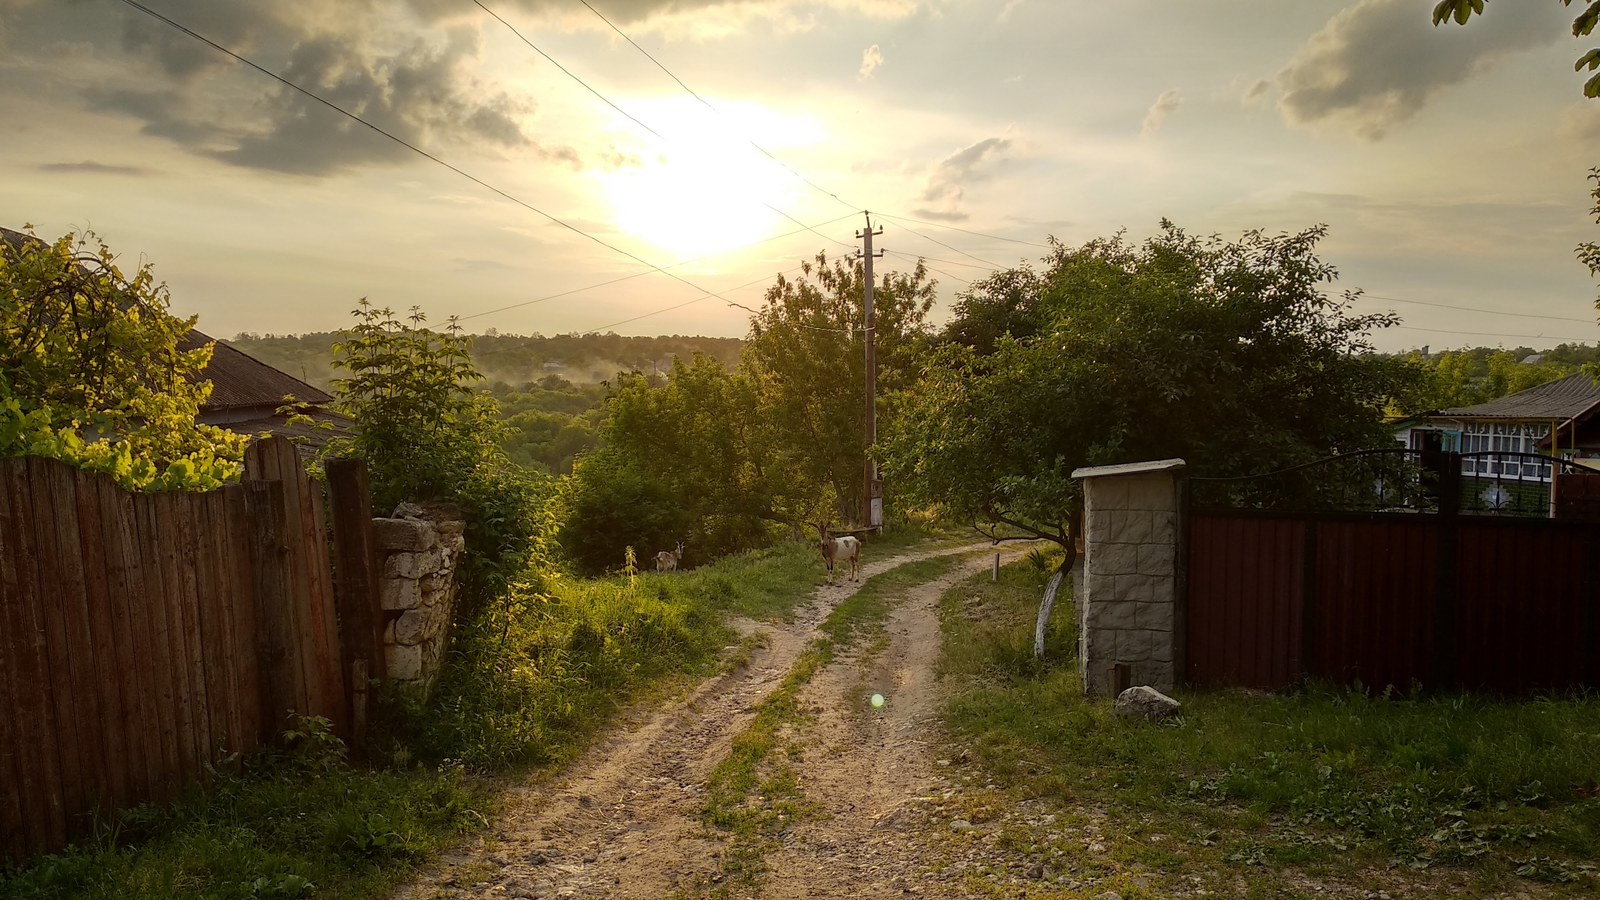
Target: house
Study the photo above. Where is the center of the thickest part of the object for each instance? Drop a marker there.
(1554, 419)
(246, 393)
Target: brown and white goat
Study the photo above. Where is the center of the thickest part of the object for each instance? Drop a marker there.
(838, 551)
(667, 560)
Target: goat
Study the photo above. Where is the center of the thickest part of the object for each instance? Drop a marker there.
(667, 560)
(839, 550)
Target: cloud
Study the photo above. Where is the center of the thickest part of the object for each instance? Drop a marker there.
(92, 168)
(871, 59)
(947, 186)
(1165, 105)
(1377, 64)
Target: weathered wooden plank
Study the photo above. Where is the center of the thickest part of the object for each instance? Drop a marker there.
(269, 567)
(126, 583)
(243, 592)
(157, 630)
(101, 660)
(216, 620)
(356, 565)
(331, 674)
(66, 694)
(33, 715)
(185, 539)
(185, 720)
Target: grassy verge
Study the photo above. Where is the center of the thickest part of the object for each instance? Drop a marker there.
(1251, 795)
(753, 795)
(529, 681)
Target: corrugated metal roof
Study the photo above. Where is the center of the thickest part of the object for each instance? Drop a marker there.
(1562, 399)
(239, 379)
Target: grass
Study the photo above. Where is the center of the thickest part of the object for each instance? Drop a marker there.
(528, 683)
(753, 795)
(298, 825)
(1462, 796)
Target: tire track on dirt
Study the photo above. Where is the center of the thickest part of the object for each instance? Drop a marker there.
(624, 821)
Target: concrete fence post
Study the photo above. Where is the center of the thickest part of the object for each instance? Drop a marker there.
(1130, 606)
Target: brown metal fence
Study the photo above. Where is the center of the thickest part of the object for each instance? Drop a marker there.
(145, 638)
(1435, 596)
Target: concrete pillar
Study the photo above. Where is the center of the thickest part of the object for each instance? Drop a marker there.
(1130, 606)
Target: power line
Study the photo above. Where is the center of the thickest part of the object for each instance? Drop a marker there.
(691, 91)
(684, 262)
(706, 297)
(1500, 334)
(1492, 312)
(924, 261)
(423, 153)
(995, 237)
(990, 263)
(607, 101)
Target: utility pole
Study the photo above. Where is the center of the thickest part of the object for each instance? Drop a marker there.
(872, 495)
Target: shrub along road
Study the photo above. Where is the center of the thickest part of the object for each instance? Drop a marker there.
(776, 778)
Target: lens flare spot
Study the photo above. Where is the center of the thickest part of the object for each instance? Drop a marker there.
(877, 701)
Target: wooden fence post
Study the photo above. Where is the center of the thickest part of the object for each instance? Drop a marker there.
(269, 565)
(355, 561)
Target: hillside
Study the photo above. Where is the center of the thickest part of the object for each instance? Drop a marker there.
(511, 359)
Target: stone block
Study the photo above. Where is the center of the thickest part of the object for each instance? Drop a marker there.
(1128, 526)
(450, 526)
(430, 561)
(1132, 589)
(401, 565)
(1147, 703)
(1164, 648)
(1155, 617)
(1157, 559)
(404, 663)
(1113, 559)
(1111, 616)
(1107, 493)
(1164, 590)
(1133, 646)
(1163, 527)
(1097, 525)
(412, 627)
(399, 593)
(403, 534)
(1151, 492)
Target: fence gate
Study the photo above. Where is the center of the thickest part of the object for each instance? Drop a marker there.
(1395, 568)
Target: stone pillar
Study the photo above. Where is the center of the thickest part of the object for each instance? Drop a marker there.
(420, 547)
(1130, 606)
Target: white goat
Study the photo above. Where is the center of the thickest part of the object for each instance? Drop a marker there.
(667, 560)
(839, 550)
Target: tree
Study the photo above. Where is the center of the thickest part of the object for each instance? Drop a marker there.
(426, 436)
(1229, 355)
(683, 460)
(805, 357)
(1582, 26)
(92, 371)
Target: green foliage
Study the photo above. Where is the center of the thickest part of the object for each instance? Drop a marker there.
(299, 823)
(426, 436)
(526, 681)
(806, 359)
(1228, 355)
(684, 460)
(91, 371)
(1582, 26)
(1455, 378)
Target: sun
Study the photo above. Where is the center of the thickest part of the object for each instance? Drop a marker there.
(703, 191)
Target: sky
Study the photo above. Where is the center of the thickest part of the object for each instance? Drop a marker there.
(1448, 163)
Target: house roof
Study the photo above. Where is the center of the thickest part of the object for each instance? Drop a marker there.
(1563, 399)
(238, 380)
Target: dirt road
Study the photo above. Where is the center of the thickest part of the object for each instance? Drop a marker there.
(626, 822)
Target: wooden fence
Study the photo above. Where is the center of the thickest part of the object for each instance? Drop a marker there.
(146, 638)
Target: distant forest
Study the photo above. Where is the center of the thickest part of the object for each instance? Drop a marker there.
(552, 394)
(513, 360)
